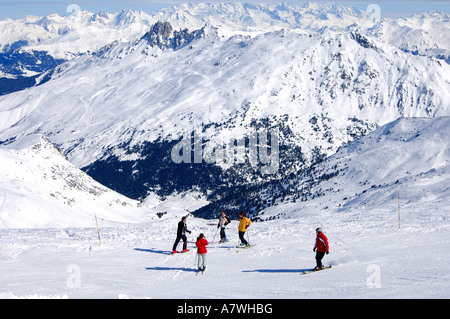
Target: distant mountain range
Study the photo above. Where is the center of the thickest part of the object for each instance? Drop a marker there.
(34, 45)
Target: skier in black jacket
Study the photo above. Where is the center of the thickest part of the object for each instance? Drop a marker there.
(181, 234)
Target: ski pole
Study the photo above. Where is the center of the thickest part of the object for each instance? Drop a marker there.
(214, 236)
(98, 232)
(196, 260)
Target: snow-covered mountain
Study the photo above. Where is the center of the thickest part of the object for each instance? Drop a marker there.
(407, 159)
(40, 188)
(423, 34)
(118, 113)
(65, 37)
(32, 46)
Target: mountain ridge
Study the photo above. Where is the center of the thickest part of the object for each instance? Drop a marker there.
(64, 38)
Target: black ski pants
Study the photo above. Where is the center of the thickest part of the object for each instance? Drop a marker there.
(241, 237)
(178, 240)
(223, 236)
(319, 256)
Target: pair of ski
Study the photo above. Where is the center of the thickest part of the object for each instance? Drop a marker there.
(199, 271)
(242, 248)
(314, 270)
(178, 252)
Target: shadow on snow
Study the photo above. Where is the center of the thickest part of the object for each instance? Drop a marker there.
(155, 251)
(172, 268)
(279, 270)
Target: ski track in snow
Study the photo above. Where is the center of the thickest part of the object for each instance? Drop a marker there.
(134, 262)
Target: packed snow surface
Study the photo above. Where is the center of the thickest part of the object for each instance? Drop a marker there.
(371, 258)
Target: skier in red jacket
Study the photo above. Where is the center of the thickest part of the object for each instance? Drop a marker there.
(201, 244)
(321, 248)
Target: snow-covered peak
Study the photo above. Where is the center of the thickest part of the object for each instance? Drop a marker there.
(162, 35)
(250, 18)
(68, 36)
(421, 34)
(40, 188)
(26, 142)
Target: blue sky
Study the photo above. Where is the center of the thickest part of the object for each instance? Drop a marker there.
(20, 8)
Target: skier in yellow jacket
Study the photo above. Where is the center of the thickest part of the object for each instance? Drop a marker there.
(243, 225)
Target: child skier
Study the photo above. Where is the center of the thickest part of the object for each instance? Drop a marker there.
(181, 234)
(201, 244)
(223, 222)
(322, 248)
(243, 225)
